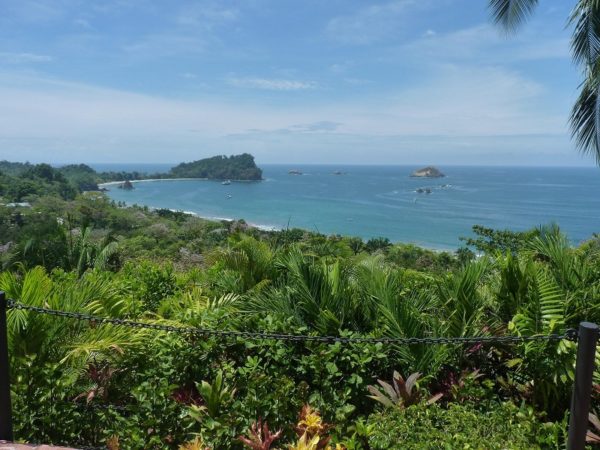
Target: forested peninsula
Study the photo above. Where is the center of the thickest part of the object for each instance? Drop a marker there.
(236, 167)
(20, 180)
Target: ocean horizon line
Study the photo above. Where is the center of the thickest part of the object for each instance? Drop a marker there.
(341, 164)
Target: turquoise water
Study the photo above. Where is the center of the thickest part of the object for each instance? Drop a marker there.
(371, 201)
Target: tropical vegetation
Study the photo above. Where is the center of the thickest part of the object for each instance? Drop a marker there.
(85, 383)
(234, 167)
(23, 180)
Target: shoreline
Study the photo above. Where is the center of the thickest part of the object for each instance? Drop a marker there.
(116, 183)
(267, 228)
(145, 180)
(272, 228)
(210, 218)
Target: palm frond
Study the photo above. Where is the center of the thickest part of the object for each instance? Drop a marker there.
(545, 313)
(103, 257)
(585, 42)
(552, 247)
(462, 298)
(102, 341)
(410, 316)
(511, 14)
(585, 116)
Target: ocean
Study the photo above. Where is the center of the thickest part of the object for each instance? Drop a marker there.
(382, 201)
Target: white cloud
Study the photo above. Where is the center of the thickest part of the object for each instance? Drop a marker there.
(165, 45)
(23, 58)
(83, 23)
(369, 24)
(341, 67)
(459, 104)
(357, 81)
(484, 44)
(323, 126)
(458, 100)
(465, 100)
(205, 15)
(271, 84)
(33, 11)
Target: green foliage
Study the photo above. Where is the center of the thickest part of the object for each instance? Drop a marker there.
(492, 241)
(234, 167)
(215, 395)
(150, 284)
(491, 426)
(378, 243)
(22, 182)
(401, 393)
(91, 255)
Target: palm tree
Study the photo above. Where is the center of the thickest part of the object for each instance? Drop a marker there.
(250, 259)
(53, 339)
(585, 49)
(82, 253)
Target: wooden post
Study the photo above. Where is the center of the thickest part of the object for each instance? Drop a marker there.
(6, 431)
(582, 390)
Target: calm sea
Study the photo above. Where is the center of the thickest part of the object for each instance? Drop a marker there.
(371, 201)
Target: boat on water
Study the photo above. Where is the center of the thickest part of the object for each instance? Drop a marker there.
(226, 182)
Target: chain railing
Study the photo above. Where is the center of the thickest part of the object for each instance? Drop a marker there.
(570, 334)
(586, 337)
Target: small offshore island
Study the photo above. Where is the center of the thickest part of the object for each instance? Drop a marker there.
(427, 172)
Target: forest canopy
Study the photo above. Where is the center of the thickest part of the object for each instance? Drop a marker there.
(234, 167)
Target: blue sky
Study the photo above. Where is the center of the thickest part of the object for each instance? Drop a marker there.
(336, 81)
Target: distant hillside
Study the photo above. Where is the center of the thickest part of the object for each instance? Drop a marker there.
(234, 167)
(14, 168)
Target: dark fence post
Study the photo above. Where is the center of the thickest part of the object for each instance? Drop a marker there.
(6, 431)
(582, 390)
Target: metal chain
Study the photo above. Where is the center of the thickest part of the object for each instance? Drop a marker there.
(570, 334)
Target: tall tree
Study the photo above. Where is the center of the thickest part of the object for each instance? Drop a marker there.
(585, 49)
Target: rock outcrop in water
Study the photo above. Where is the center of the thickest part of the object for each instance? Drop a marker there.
(127, 185)
(427, 172)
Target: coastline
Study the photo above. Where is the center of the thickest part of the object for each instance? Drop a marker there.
(145, 180)
(266, 228)
(272, 228)
(378, 203)
(211, 218)
(116, 183)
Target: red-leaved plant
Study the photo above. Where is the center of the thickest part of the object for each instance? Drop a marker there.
(401, 393)
(259, 436)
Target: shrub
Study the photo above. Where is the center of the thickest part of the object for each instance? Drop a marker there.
(462, 426)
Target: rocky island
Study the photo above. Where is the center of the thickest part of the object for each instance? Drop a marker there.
(235, 167)
(127, 185)
(427, 172)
